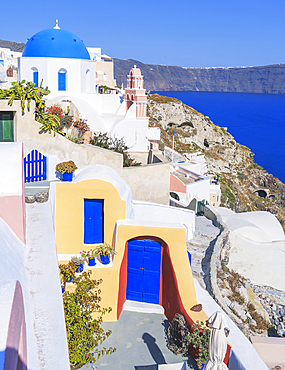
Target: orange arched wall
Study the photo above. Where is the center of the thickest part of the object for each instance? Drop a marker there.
(170, 298)
(122, 283)
(171, 301)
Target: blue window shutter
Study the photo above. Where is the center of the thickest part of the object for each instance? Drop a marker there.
(61, 81)
(36, 78)
(93, 221)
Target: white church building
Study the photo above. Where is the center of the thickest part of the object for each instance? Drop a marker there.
(79, 74)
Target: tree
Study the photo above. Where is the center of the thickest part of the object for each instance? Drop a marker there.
(26, 92)
(83, 318)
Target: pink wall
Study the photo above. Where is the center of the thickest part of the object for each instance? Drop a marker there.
(16, 345)
(12, 211)
(176, 184)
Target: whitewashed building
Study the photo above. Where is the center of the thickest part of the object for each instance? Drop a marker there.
(72, 72)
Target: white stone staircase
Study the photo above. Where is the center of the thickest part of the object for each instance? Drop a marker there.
(201, 246)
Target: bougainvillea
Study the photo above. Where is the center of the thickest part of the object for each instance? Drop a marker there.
(54, 110)
(81, 125)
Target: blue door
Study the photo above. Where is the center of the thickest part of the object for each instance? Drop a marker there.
(93, 221)
(143, 271)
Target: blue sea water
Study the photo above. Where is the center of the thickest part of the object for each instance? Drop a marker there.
(255, 120)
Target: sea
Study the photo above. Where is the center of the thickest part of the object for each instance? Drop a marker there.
(255, 120)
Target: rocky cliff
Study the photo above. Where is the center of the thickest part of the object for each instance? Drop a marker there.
(267, 79)
(245, 185)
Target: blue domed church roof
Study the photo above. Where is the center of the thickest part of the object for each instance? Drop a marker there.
(55, 43)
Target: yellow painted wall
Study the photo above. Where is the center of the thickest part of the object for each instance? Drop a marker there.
(176, 241)
(70, 212)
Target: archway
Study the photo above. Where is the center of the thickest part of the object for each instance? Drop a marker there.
(165, 281)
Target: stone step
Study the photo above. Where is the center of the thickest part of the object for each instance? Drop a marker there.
(196, 255)
(195, 244)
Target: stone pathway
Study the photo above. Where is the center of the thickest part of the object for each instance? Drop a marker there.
(140, 341)
(201, 247)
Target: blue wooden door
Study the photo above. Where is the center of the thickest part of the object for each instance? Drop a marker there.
(93, 221)
(143, 271)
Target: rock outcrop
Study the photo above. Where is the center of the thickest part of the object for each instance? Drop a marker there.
(245, 185)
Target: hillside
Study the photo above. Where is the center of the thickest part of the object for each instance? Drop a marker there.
(14, 46)
(266, 79)
(245, 185)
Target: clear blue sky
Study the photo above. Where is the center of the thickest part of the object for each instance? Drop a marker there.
(201, 33)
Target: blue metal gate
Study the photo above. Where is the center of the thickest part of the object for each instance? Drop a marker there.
(143, 271)
(35, 166)
(93, 221)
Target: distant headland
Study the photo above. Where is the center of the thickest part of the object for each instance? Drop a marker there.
(265, 79)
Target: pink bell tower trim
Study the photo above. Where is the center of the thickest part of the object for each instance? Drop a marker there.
(135, 93)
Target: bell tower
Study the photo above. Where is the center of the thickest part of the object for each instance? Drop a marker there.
(135, 93)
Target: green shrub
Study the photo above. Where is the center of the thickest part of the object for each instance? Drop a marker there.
(84, 332)
(241, 176)
(255, 165)
(117, 145)
(199, 338)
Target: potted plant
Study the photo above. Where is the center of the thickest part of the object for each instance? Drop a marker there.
(199, 339)
(67, 274)
(90, 255)
(78, 263)
(105, 250)
(66, 169)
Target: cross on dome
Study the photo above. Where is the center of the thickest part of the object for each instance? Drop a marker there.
(56, 27)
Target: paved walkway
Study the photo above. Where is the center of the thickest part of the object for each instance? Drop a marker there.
(44, 289)
(141, 344)
(201, 247)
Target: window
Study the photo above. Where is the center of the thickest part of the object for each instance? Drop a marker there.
(93, 221)
(6, 127)
(62, 80)
(88, 80)
(36, 78)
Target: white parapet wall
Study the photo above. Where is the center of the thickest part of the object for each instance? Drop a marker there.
(147, 211)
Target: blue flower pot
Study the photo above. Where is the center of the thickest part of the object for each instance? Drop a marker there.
(203, 366)
(91, 262)
(67, 176)
(69, 280)
(79, 267)
(105, 259)
(62, 289)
